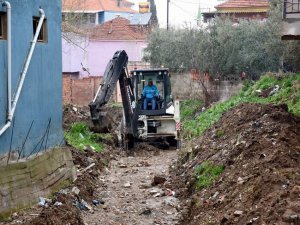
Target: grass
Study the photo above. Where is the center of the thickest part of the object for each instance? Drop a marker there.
(207, 173)
(79, 136)
(189, 108)
(289, 93)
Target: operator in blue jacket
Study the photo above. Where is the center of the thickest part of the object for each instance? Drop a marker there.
(149, 93)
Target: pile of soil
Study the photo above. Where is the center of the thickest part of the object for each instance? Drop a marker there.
(86, 183)
(259, 145)
(73, 114)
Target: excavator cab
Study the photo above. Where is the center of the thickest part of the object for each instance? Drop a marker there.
(161, 79)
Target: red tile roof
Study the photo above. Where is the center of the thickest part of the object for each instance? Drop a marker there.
(243, 4)
(117, 29)
(97, 6)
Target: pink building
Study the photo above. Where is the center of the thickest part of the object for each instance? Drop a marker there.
(89, 55)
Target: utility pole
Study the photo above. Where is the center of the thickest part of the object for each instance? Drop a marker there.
(168, 6)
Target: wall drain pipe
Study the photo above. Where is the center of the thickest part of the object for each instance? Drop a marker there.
(9, 112)
(14, 102)
(27, 63)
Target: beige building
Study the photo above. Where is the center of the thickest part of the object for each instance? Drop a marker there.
(291, 17)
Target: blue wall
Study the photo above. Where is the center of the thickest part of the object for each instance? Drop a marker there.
(109, 15)
(41, 96)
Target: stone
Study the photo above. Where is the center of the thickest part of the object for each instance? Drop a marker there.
(238, 212)
(75, 190)
(127, 185)
(156, 195)
(240, 180)
(290, 216)
(146, 211)
(224, 219)
(295, 193)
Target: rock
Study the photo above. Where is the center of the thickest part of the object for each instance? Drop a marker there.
(224, 219)
(238, 213)
(14, 215)
(75, 190)
(123, 166)
(240, 180)
(215, 195)
(252, 220)
(58, 204)
(158, 180)
(295, 192)
(156, 195)
(153, 191)
(127, 185)
(105, 206)
(290, 216)
(146, 211)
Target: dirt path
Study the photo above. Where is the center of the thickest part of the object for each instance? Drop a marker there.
(128, 194)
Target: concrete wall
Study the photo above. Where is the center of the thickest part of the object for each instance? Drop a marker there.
(184, 86)
(41, 97)
(94, 55)
(21, 183)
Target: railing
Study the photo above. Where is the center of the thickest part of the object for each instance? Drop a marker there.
(291, 7)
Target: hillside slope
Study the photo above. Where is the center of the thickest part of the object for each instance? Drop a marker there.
(257, 147)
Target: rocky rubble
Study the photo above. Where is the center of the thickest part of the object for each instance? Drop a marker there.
(259, 145)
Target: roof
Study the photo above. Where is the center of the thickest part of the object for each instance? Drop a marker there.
(140, 19)
(117, 29)
(243, 6)
(96, 6)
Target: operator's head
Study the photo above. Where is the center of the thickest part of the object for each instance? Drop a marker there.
(150, 82)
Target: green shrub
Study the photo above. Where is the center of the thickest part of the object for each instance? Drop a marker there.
(79, 136)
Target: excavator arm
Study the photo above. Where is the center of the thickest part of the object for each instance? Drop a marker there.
(116, 70)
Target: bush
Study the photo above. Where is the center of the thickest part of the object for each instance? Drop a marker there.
(79, 136)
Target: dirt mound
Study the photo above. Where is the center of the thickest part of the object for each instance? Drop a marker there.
(59, 215)
(73, 114)
(259, 146)
(89, 165)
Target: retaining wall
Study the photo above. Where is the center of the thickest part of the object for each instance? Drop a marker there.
(21, 183)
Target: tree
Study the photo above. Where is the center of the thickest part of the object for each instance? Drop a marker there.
(224, 48)
(154, 19)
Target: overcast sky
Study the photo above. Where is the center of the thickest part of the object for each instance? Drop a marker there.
(181, 11)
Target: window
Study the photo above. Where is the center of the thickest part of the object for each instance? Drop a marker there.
(3, 26)
(43, 36)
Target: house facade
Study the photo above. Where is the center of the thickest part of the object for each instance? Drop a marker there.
(92, 53)
(240, 9)
(85, 62)
(291, 20)
(30, 110)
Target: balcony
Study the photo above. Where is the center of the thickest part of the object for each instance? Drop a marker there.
(291, 20)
